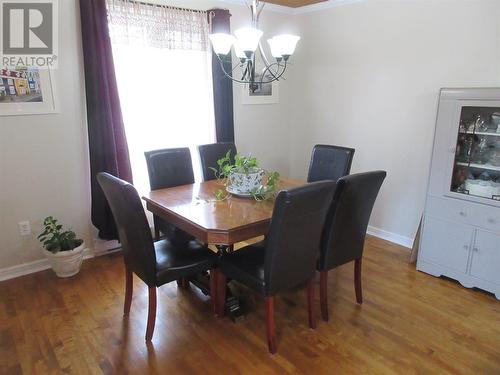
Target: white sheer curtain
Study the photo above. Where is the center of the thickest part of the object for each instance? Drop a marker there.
(163, 68)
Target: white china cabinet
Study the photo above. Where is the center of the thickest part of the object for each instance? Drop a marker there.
(461, 226)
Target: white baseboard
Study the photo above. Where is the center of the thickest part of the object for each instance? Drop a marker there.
(43, 264)
(32, 267)
(390, 236)
(102, 247)
(23, 269)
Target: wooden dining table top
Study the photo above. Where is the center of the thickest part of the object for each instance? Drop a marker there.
(194, 209)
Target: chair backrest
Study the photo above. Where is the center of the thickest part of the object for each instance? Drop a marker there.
(209, 154)
(169, 167)
(133, 229)
(329, 163)
(292, 245)
(347, 220)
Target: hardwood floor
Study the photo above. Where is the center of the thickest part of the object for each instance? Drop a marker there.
(409, 323)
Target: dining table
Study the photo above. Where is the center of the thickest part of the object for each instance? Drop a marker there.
(221, 222)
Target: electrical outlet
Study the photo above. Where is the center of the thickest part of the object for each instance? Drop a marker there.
(24, 228)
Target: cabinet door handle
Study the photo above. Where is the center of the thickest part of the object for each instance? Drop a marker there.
(462, 213)
(476, 250)
(491, 221)
(466, 247)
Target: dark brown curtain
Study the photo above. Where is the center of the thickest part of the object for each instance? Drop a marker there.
(107, 140)
(223, 86)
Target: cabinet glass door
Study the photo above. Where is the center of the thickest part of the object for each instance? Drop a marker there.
(476, 169)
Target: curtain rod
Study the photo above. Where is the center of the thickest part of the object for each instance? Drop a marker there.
(163, 6)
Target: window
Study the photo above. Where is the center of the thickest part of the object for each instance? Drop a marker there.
(163, 69)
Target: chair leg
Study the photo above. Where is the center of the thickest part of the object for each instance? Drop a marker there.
(323, 294)
(214, 275)
(271, 334)
(129, 288)
(221, 294)
(310, 302)
(357, 281)
(151, 313)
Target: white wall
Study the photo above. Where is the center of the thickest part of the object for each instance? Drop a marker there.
(44, 158)
(368, 75)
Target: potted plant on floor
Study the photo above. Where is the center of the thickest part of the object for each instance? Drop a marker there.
(62, 248)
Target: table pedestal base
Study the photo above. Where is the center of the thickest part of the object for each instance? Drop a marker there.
(232, 306)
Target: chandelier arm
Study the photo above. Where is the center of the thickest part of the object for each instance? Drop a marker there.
(233, 69)
(256, 11)
(229, 75)
(263, 55)
(260, 7)
(249, 70)
(244, 70)
(253, 9)
(276, 75)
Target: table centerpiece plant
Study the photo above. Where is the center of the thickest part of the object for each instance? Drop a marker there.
(62, 248)
(243, 176)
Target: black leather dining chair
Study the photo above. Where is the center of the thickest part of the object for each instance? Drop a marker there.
(345, 227)
(155, 263)
(209, 154)
(168, 168)
(329, 163)
(288, 256)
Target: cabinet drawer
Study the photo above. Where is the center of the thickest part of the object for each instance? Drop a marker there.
(487, 217)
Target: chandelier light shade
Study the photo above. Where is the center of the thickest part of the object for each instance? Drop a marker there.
(276, 50)
(255, 67)
(285, 44)
(221, 43)
(248, 39)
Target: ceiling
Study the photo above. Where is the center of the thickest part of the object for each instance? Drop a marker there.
(294, 3)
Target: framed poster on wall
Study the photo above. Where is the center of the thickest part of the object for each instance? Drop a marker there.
(26, 91)
(261, 93)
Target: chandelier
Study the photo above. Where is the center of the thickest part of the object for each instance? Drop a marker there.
(246, 43)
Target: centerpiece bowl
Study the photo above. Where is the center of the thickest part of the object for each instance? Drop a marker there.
(242, 182)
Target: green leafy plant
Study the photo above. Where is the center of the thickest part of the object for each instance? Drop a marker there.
(55, 239)
(269, 190)
(245, 164)
(224, 166)
(242, 164)
(221, 195)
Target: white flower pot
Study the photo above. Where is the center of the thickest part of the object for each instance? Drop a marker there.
(244, 183)
(66, 263)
